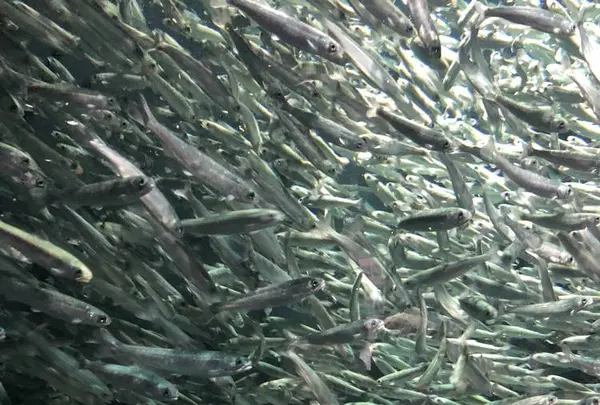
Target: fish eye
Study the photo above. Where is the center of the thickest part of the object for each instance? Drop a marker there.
(239, 362)
(107, 116)
(461, 215)
(237, 108)
(561, 125)
(178, 229)
(251, 196)
(111, 101)
(187, 29)
(569, 190)
(166, 393)
(26, 161)
(584, 301)
(315, 283)
(40, 183)
(332, 48)
(597, 220)
(435, 50)
(409, 29)
(446, 146)
(595, 401)
(141, 182)
(360, 145)
(102, 319)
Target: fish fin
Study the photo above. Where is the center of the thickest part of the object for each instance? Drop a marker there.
(494, 253)
(108, 344)
(468, 12)
(219, 3)
(372, 112)
(291, 340)
(104, 336)
(135, 113)
(526, 149)
(489, 150)
(220, 12)
(366, 355)
(82, 360)
(147, 115)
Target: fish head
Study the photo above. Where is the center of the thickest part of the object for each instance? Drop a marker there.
(97, 317)
(142, 183)
(448, 147)
(315, 284)
(584, 301)
(567, 28)
(249, 196)
(166, 392)
(559, 125)
(241, 364)
(360, 145)
(407, 30)
(564, 191)
(335, 53)
(463, 218)
(371, 328)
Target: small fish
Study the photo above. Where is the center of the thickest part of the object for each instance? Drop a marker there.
(55, 259)
(438, 219)
(534, 17)
(114, 192)
(421, 16)
(235, 222)
(177, 361)
(273, 295)
(291, 30)
(562, 307)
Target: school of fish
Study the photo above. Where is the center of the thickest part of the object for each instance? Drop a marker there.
(252, 202)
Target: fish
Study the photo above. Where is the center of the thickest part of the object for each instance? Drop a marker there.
(273, 295)
(262, 202)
